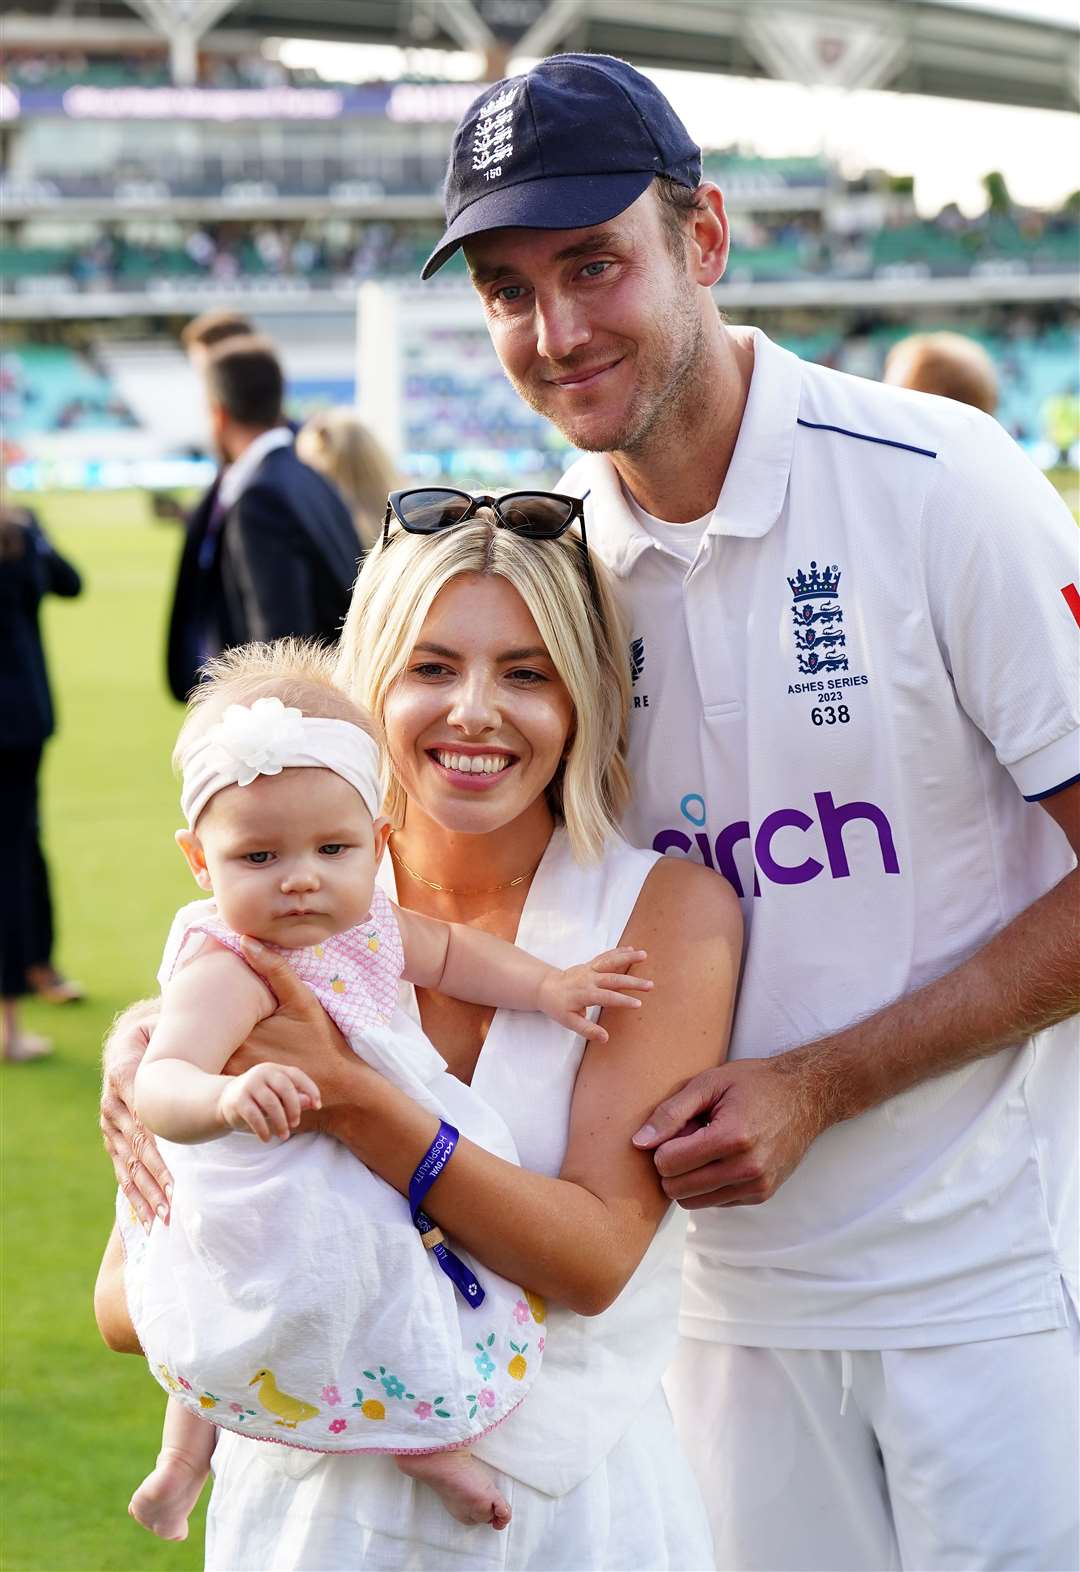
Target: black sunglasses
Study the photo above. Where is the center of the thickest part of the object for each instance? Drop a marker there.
(538, 515)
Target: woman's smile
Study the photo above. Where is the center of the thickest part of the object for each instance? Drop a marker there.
(471, 768)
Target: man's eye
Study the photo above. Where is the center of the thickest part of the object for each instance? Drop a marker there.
(595, 269)
(509, 294)
(258, 858)
(333, 848)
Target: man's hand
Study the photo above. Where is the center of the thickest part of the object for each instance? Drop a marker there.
(268, 1100)
(566, 995)
(732, 1135)
(137, 1163)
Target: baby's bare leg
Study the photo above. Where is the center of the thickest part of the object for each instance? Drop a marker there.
(466, 1487)
(165, 1499)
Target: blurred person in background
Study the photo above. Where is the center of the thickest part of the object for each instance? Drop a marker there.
(192, 619)
(30, 568)
(340, 446)
(947, 364)
(287, 550)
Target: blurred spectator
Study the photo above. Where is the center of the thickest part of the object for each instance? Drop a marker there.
(193, 618)
(945, 363)
(286, 549)
(339, 445)
(204, 332)
(29, 569)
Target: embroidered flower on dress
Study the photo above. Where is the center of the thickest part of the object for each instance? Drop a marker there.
(256, 739)
(392, 1386)
(236, 1408)
(330, 1396)
(521, 1312)
(540, 1344)
(486, 1397)
(484, 1365)
(185, 1384)
(423, 1410)
(337, 1426)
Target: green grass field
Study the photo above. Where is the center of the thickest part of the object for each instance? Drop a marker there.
(80, 1424)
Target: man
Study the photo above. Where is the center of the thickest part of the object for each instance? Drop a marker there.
(285, 547)
(856, 697)
(191, 618)
(947, 364)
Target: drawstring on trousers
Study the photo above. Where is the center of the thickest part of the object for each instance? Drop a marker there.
(845, 1381)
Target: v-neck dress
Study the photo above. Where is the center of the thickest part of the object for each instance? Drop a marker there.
(589, 1461)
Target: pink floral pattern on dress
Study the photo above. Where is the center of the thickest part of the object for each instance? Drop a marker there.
(521, 1312)
(330, 1396)
(337, 1426)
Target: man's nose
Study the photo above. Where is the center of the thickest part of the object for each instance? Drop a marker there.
(562, 325)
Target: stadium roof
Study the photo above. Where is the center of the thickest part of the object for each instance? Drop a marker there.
(913, 46)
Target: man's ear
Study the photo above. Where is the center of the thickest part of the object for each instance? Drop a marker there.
(382, 827)
(191, 847)
(709, 236)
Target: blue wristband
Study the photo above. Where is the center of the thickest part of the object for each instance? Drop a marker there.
(428, 1170)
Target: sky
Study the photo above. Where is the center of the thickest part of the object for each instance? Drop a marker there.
(947, 144)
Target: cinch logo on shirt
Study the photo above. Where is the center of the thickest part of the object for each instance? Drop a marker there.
(718, 851)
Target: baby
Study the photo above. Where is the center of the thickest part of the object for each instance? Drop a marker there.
(294, 1271)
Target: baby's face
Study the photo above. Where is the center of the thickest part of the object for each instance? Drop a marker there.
(290, 859)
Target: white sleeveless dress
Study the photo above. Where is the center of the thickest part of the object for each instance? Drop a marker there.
(589, 1462)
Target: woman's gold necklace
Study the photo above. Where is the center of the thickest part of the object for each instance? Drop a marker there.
(444, 889)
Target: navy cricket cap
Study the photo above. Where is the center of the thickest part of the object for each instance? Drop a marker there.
(570, 144)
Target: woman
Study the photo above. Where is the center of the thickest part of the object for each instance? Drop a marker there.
(496, 665)
(340, 446)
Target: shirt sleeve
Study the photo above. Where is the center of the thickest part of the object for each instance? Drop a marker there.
(1001, 552)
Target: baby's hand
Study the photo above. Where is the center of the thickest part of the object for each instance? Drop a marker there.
(565, 996)
(268, 1100)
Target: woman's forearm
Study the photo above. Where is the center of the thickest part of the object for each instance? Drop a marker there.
(550, 1235)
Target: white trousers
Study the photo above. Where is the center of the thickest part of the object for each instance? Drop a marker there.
(955, 1459)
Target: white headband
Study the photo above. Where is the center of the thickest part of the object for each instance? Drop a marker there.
(268, 738)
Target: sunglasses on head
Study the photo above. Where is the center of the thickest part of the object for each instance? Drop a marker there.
(537, 515)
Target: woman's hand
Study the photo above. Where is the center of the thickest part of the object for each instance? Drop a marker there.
(137, 1163)
(299, 1033)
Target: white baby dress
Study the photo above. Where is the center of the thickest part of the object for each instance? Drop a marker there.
(290, 1297)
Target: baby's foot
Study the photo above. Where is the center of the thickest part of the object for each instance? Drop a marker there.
(467, 1489)
(165, 1499)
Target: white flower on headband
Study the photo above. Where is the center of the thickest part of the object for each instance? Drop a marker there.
(256, 740)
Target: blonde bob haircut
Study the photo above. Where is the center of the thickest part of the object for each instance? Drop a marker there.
(393, 595)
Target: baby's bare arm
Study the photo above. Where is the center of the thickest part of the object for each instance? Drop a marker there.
(207, 1010)
(467, 963)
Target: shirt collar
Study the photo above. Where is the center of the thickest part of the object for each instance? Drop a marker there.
(756, 482)
(241, 472)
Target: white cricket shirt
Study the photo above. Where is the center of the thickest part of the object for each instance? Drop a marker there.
(841, 705)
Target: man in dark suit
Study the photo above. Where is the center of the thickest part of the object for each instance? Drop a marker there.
(279, 552)
(190, 617)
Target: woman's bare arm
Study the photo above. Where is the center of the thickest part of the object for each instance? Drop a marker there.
(110, 1301)
(579, 1237)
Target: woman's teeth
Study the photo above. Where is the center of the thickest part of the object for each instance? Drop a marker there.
(473, 763)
